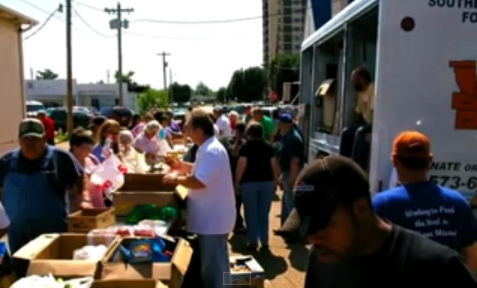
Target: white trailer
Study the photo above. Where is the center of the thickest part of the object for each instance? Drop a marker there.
(423, 57)
(12, 100)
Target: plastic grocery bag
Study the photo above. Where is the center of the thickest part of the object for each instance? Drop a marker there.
(49, 281)
(109, 174)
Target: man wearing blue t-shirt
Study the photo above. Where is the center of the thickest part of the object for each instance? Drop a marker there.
(439, 213)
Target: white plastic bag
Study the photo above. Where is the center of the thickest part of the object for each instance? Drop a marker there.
(109, 174)
(90, 252)
(49, 281)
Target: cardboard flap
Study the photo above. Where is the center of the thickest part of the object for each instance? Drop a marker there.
(122, 271)
(128, 284)
(325, 88)
(36, 246)
(182, 192)
(62, 268)
(182, 256)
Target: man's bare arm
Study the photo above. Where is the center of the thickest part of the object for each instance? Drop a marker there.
(80, 187)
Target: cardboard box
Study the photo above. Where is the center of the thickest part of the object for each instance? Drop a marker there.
(128, 284)
(145, 182)
(170, 273)
(53, 253)
(254, 278)
(125, 201)
(87, 220)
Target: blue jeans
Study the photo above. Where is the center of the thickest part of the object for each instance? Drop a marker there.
(287, 198)
(214, 260)
(257, 199)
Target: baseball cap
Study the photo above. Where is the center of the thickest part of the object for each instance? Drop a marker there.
(288, 109)
(411, 144)
(285, 118)
(323, 186)
(31, 127)
(218, 108)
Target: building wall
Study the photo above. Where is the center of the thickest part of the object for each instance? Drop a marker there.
(12, 106)
(91, 94)
(283, 27)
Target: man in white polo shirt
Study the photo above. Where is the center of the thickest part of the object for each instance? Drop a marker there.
(211, 199)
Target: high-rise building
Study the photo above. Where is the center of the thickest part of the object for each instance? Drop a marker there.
(283, 27)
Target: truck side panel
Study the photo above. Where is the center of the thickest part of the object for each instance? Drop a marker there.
(426, 81)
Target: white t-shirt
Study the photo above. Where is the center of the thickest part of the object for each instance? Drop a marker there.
(223, 124)
(211, 210)
(4, 221)
(216, 131)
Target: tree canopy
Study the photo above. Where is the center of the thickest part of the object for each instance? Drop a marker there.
(180, 93)
(132, 85)
(221, 95)
(247, 85)
(152, 98)
(283, 68)
(202, 89)
(46, 74)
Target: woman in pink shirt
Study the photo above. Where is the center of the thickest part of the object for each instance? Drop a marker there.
(140, 127)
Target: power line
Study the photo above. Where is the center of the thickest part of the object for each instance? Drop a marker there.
(39, 9)
(185, 38)
(91, 27)
(89, 6)
(223, 21)
(201, 22)
(44, 23)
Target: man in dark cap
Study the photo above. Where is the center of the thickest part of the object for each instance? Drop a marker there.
(352, 247)
(36, 180)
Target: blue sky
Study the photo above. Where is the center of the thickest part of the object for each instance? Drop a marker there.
(208, 53)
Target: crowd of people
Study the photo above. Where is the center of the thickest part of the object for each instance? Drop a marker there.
(238, 163)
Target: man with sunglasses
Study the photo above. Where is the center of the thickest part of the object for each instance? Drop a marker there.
(351, 246)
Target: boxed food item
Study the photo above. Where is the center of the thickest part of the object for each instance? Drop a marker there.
(53, 253)
(163, 258)
(87, 220)
(245, 270)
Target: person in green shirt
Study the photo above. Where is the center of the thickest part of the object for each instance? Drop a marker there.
(267, 124)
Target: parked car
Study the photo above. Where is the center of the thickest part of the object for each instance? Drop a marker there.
(121, 114)
(58, 115)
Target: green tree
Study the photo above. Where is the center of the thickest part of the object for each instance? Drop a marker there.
(202, 89)
(180, 93)
(248, 85)
(46, 74)
(152, 98)
(221, 95)
(133, 86)
(283, 68)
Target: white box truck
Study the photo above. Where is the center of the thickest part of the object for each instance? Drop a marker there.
(12, 95)
(423, 59)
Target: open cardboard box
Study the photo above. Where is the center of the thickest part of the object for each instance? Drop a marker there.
(145, 182)
(125, 201)
(171, 273)
(84, 221)
(53, 253)
(128, 284)
(253, 278)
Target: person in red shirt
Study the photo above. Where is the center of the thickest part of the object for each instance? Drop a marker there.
(49, 125)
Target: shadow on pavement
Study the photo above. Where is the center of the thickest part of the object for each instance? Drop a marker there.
(272, 264)
(298, 256)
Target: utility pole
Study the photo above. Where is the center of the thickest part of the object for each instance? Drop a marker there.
(69, 70)
(119, 24)
(171, 96)
(164, 68)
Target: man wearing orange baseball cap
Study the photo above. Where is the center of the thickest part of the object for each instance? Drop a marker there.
(437, 212)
